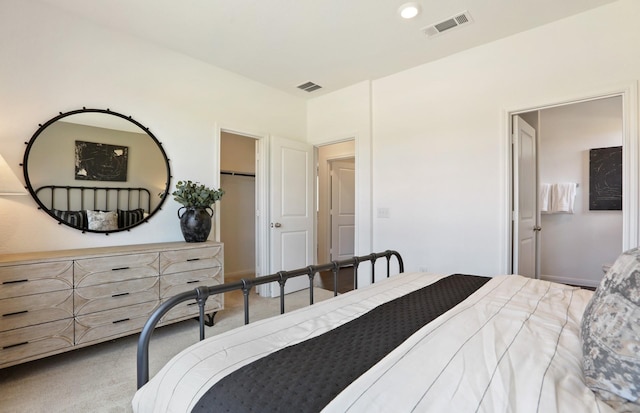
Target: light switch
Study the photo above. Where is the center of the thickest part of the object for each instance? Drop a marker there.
(383, 212)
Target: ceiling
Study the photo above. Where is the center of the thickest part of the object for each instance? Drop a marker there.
(333, 43)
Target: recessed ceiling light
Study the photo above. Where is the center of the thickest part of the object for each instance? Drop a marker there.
(409, 10)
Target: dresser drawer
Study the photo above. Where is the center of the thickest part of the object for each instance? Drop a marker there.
(191, 309)
(35, 309)
(24, 343)
(92, 271)
(190, 259)
(27, 279)
(114, 323)
(115, 295)
(174, 284)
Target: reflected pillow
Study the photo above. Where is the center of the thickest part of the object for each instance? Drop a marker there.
(102, 221)
(129, 218)
(611, 335)
(76, 219)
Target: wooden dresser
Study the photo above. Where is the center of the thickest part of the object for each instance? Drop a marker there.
(55, 301)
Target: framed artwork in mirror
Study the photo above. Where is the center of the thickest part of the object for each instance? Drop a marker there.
(101, 162)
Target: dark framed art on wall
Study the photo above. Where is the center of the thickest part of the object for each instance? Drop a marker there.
(605, 179)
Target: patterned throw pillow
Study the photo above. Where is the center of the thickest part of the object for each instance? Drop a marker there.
(76, 219)
(102, 221)
(611, 335)
(129, 218)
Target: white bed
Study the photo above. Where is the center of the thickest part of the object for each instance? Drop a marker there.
(512, 346)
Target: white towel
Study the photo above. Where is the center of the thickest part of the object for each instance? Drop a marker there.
(545, 197)
(563, 197)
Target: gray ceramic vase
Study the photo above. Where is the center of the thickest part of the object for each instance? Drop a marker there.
(195, 223)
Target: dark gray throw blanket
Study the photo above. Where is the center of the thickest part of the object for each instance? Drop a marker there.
(306, 376)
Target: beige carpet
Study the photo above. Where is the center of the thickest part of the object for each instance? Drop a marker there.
(102, 378)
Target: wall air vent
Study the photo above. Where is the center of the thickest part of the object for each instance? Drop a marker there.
(309, 87)
(449, 24)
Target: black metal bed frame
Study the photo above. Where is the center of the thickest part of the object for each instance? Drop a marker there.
(75, 197)
(201, 294)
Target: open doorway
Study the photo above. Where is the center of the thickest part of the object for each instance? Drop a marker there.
(336, 212)
(254, 227)
(279, 173)
(574, 243)
(238, 229)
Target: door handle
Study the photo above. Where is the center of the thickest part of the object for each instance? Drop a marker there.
(276, 225)
(537, 228)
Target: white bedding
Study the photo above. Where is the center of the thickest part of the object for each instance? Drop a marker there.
(512, 346)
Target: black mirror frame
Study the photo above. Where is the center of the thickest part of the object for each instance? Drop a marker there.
(42, 127)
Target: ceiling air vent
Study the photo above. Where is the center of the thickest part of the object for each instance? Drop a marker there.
(449, 24)
(309, 87)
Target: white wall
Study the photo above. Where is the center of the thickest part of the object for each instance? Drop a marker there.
(430, 142)
(439, 141)
(574, 247)
(52, 62)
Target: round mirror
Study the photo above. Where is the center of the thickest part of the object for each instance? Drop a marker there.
(96, 170)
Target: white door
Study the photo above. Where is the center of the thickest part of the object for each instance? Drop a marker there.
(291, 222)
(343, 212)
(525, 194)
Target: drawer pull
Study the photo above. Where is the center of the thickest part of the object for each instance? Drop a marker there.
(119, 294)
(15, 345)
(14, 282)
(120, 321)
(120, 268)
(193, 259)
(16, 313)
(193, 281)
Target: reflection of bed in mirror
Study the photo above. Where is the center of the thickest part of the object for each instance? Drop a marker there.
(96, 208)
(84, 166)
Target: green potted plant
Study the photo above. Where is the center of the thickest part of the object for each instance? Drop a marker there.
(196, 213)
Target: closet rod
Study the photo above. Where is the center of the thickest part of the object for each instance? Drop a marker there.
(237, 173)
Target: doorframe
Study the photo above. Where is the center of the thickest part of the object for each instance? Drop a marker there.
(630, 146)
(516, 150)
(328, 160)
(262, 244)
